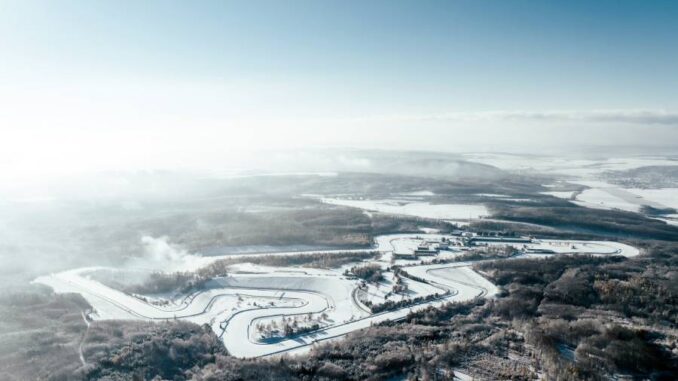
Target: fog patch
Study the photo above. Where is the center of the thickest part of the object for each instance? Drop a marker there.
(160, 255)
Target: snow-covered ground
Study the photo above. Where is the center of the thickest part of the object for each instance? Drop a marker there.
(565, 195)
(416, 208)
(459, 278)
(603, 195)
(408, 242)
(560, 246)
(250, 294)
(565, 166)
(607, 198)
(587, 172)
(665, 197)
(377, 293)
(671, 219)
(493, 195)
(419, 193)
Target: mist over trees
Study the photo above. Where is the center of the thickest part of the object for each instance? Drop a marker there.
(565, 317)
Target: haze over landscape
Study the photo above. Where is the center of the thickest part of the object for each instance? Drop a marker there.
(87, 86)
(326, 190)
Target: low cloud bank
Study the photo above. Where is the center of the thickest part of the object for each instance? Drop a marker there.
(160, 255)
(653, 117)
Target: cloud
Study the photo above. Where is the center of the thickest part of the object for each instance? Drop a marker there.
(638, 117)
(655, 117)
(646, 117)
(161, 255)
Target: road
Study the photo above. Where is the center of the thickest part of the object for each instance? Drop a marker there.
(233, 305)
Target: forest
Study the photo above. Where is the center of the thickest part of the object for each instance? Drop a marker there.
(566, 316)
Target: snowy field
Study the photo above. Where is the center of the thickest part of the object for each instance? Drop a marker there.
(565, 166)
(665, 197)
(564, 195)
(236, 306)
(416, 208)
(602, 195)
(608, 198)
(587, 172)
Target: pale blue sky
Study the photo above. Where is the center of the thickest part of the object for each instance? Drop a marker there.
(91, 75)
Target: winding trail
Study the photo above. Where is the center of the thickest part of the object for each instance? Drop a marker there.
(233, 305)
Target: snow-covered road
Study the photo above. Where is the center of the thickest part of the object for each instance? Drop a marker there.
(232, 305)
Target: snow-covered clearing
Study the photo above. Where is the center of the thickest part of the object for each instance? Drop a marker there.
(493, 195)
(665, 197)
(428, 230)
(563, 165)
(419, 193)
(381, 292)
(565, 195)
(604, 198)
(416, 209)
(602, 195)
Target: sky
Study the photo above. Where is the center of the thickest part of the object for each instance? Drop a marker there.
(111, 85)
